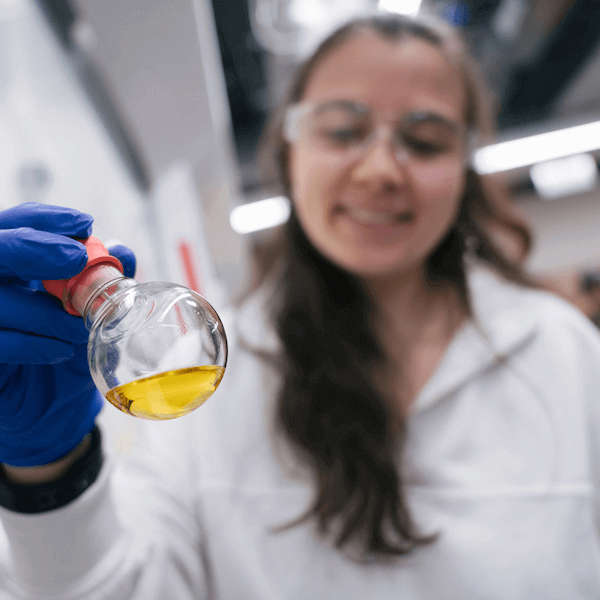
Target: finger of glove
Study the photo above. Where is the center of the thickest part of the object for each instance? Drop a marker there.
(26, 253)
(30, 311)
(18, 348)
(46, 217)
(126, 257)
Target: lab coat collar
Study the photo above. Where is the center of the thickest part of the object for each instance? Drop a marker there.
(501, 324)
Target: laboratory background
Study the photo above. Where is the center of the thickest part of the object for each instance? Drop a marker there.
(148, 115)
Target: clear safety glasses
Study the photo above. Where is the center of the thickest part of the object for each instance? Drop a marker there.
(346, 130)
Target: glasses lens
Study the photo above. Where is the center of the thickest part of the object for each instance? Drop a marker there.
(429, 139)
(337, 129)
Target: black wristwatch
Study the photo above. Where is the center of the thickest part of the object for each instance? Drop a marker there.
(42, 497)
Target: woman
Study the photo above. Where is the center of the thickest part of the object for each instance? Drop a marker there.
(402, 415)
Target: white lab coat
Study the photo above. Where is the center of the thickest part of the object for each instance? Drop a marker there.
(501, 460)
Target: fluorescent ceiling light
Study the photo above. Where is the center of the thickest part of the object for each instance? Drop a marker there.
(565, 176)
(255, 216)
(403, 7)
(537, 148)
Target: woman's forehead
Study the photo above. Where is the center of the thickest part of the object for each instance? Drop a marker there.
(389, 75)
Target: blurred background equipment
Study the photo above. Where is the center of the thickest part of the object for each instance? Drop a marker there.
(153, 110)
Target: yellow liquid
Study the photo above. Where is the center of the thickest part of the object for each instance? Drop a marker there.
(167, 395)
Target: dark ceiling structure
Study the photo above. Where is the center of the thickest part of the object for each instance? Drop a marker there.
(534, 85)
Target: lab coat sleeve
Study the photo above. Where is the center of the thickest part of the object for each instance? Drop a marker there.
(133, 535)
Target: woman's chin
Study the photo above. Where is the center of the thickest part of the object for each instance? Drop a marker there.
(376, 267)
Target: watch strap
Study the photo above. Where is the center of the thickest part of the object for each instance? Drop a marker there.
(42, 497)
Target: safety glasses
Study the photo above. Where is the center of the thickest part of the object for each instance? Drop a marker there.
(346, 130)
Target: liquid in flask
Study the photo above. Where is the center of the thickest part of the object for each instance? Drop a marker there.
(167, 395)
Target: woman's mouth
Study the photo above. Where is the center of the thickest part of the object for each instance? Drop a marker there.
(372, 217)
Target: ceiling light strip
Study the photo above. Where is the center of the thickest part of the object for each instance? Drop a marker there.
(263, 214)
(537, 148)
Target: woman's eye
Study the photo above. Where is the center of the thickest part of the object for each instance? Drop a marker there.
(425, 147)
(344, 136)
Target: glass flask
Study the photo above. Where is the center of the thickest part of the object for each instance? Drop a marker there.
(155, 350)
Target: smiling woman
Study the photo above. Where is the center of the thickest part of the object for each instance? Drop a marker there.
(372, 147)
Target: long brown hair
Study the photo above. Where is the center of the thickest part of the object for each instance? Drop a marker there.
(329, 407)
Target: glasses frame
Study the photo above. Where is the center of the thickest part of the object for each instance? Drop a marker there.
(296, 114)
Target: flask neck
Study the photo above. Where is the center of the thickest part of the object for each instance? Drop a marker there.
(96, 288)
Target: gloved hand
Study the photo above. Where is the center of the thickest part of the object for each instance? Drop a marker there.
(48, 401)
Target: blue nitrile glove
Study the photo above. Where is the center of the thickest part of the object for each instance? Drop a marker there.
(48, 401)
(126, 257)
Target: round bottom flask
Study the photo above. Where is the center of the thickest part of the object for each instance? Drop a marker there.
(156, 350)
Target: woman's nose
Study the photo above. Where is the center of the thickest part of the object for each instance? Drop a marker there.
(381, 161)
